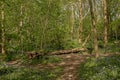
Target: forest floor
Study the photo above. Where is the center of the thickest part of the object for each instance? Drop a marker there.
(70, 64)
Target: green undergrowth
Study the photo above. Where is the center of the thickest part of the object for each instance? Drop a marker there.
(25, 60)
(8, 72)
(43, 60)
(103, 68)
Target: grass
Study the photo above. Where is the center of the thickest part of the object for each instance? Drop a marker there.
(11, 72)
(103, 68)
(8, 72)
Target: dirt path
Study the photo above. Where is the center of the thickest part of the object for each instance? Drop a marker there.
(70, 65)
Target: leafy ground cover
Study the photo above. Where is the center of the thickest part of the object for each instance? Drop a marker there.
(103, 68)
(8, 72)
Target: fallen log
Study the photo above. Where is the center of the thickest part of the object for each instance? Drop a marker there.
(60, 52)
(34, 54)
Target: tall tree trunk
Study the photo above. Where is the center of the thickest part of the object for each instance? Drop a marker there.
(21, 21)
(94, 28)
(2, 29)
(105, 22)
(80, 23)
(21, 28)
(72, 20)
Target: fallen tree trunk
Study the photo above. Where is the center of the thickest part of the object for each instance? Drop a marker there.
(88, 37)
(60, 52)
(76, 50)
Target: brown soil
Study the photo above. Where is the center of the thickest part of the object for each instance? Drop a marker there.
(70, 65)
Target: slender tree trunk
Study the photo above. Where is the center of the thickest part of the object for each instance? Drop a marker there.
(21, 21)
(72, 22)
(94, 28)
(105, 22)
(2, 29)
(45, 24)
(20, 29)
(42, 36)
(80, 23)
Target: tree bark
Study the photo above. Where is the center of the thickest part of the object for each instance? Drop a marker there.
(105, 8)
(94, 28)
(80, 23)
(60, 52)
(87, 38)
(72, 20)
(76, 50)
(20, 29)
(21, 22)
(2, 29)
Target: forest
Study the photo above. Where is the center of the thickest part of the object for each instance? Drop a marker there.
(59, 39)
